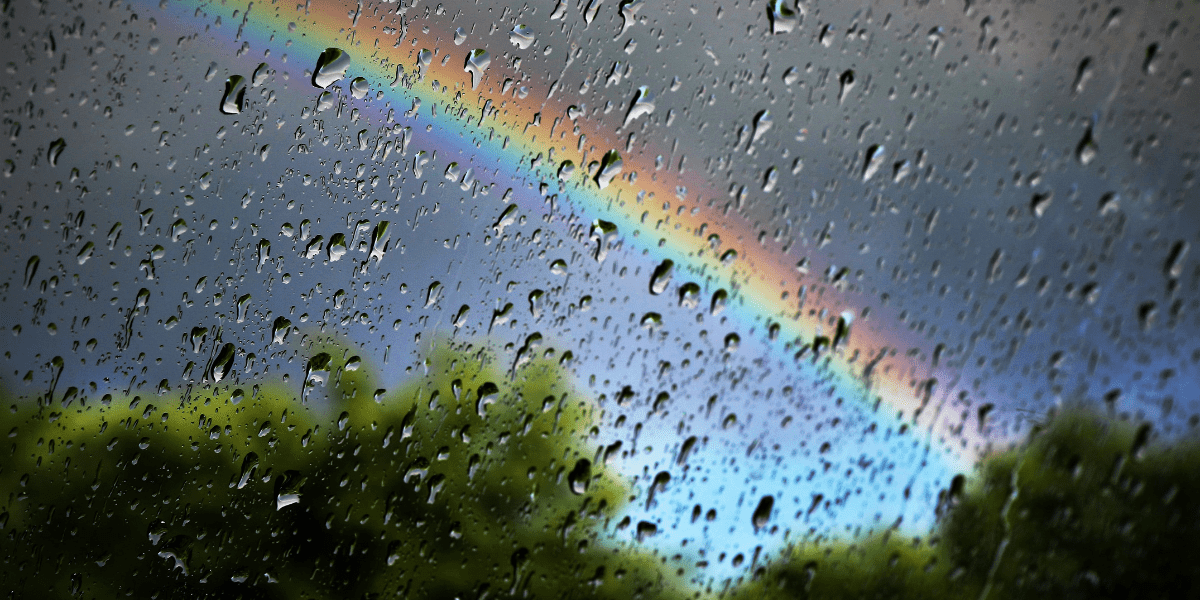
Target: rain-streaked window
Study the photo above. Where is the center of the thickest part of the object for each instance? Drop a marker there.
(587, 298)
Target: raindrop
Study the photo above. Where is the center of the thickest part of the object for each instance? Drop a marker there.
(56, 150)
(610, 168)
(85, 253)
(314, 247)
(197, 337)
(460, 319)
(380, 236)
(762, 124)
(260, 75)
(337, 247)
(1082, 74)
(536, 299)
(762, 514)
(719, 299)
(876, 155)
(222, 364)
(566, 169)
(685, 450)
(424, 57)
(845, 84)
(646, 529)
(1040, 203)
(1087, 149)
(689, 295)
(325, 101)
(783, 18)
(642, 105)
(264, 253)
(359, 88)
(331, 66)
(485, 395)
(433, 294)
(1150, 64)
(1174, 265)
(659, 484)
(234, 98)
(242, 307)
(629, 9)
(477, 62)
(791, 76)
(280, 330)
(662, 277)
(31, 267)
(249, 466)
(508, 217)
(603, 232)
(579, 477)
(770, 179)
(317, 370)
(287, 489)
(1109, 203)
(522, 37)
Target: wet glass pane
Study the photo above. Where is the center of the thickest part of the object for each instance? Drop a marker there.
(586, 298)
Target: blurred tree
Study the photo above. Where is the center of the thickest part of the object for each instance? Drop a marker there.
(1084, 509)
(468, 481)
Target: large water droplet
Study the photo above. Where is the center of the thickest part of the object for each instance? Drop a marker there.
(762, 513)
(662, 277)
(579, 477)
(876, 155)
(31, 267)
(359, 88)
(783, 18)
(566, 170)
(222, 364)
(477, 62)
(845, 84)
(522, 37)
(689, 295)
(337, 247)
(610, 167)
(1087, 149)
(719, 299)
(55, 151)
(280, 330)
(331, 66)
(260, 75)
(642, 104)
(235, 95)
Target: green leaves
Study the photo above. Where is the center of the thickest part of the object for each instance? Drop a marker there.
(355, 490)
(1085, 509)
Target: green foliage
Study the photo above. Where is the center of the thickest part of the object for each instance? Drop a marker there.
(476, 481)
(468, 481)
(1084, 509)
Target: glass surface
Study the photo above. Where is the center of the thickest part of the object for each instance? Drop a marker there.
(620, 299)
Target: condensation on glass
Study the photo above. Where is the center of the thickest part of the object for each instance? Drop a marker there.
(575, 298)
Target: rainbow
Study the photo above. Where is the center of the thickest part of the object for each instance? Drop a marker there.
(498, 126)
